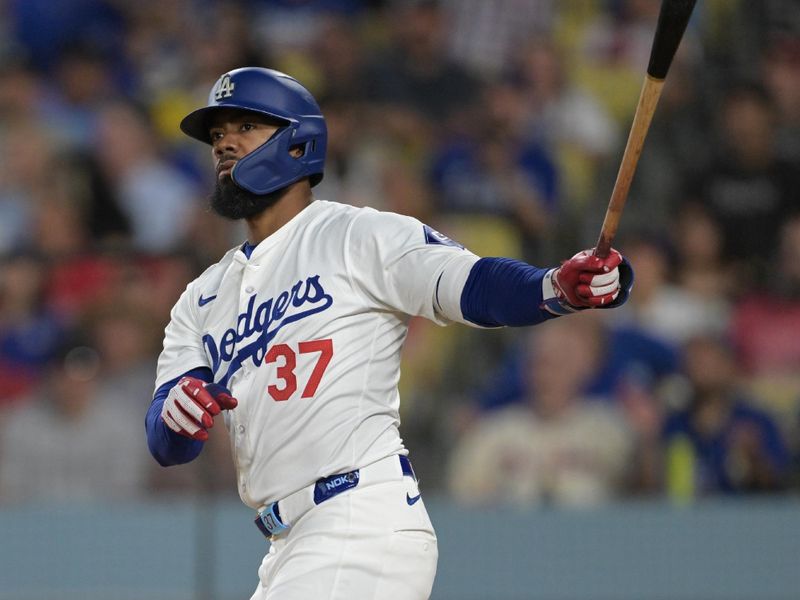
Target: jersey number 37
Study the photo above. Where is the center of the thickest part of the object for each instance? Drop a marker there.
(286, 359)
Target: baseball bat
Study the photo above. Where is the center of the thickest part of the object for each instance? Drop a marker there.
(672, 21)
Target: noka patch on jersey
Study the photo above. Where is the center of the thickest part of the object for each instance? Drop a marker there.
(434, 237)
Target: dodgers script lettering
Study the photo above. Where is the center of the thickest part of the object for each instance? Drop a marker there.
(259, 324)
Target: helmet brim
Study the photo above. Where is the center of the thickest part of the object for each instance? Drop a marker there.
(197, 123)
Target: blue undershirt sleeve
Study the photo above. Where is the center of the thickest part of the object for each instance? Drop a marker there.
(504, 292)
(166, 446)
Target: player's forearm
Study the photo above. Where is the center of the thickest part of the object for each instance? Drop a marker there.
(166, 446)
(502, 291)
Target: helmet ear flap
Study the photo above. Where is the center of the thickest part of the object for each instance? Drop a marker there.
(269, 167)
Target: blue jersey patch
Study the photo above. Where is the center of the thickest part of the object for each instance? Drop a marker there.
(434, 237)
(327, 488)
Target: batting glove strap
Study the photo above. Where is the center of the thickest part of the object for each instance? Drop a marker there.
(551, 302)
(626, 278)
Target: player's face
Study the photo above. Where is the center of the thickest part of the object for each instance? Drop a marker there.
(234, 135)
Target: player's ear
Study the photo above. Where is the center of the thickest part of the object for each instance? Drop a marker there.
(297, 151)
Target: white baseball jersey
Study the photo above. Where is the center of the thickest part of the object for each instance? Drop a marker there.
(307, 335)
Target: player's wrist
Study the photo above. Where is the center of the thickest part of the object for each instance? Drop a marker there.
(548, 286)
(554, 300)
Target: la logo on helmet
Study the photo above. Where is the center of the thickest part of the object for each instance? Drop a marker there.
(225, 88)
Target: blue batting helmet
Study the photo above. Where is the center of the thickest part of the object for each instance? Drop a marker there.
(270, 167)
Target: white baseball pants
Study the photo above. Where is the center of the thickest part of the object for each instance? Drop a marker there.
(373, 542)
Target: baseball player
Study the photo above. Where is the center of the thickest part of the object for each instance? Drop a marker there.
(295, 338)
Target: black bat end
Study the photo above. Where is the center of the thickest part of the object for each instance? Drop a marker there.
(672, 22)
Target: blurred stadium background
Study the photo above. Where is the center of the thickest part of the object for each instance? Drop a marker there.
(648, 453)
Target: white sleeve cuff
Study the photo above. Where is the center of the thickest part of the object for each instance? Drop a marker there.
(450, 285)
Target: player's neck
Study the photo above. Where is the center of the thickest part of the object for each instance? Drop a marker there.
(297, 197)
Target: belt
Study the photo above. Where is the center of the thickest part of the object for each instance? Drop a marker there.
(278, 517)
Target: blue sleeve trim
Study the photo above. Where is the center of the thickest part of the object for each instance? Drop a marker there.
(166, 446)
(504, 292)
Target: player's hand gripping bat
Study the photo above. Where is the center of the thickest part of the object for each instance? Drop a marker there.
(672, 21)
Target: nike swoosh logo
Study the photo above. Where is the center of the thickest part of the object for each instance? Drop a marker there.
(203, 301)
(412, 501)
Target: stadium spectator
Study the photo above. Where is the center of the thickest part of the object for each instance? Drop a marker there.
(415, 74)
(613, 48)
(484, 34)
(356, 158)
(675, 150)
(720, 442)
(125, 338)
(340, 57)
(158, 199)
(566, 118)
(766, 321)
(764, 330)
(67, 443)
(22, 187)
(630, 357)
(554, 447)
(781, 65)
(497, 188)
(85, 79)
(699, 265)
(30, 332)
(747, 188)
(662, 308)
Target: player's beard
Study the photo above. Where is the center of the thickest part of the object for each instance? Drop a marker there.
(233, 202)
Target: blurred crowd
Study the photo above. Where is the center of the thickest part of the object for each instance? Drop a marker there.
(500, 123)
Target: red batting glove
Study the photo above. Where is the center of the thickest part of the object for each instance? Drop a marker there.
(192, 404)
(587, 281)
